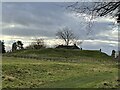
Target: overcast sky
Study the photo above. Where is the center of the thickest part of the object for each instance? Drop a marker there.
(27, 21)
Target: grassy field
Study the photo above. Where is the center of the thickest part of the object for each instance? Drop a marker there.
(83, 73)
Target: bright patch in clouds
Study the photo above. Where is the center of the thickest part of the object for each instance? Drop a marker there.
(105, 19)
(12, 26)
(8, 26)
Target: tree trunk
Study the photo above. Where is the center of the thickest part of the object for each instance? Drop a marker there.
(67, 42)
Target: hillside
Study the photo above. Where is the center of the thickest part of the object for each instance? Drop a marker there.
(59, 68)
(60, 54)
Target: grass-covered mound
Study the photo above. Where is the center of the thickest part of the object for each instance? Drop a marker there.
(61, 54)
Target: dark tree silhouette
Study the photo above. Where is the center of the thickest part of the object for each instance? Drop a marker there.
(2, 47)
(65, 34)
(19, 44)
(113, 53)
(14, 46)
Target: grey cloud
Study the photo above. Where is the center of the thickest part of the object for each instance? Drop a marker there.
(31, 13)
(44, 19)
(47, 16)
(28, 32)
(43, 15)
(105, 47)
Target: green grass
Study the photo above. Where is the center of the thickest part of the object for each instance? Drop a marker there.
(62, 53)
(31, 73)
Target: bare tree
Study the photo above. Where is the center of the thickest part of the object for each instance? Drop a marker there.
(37, 44)
(97, 8)
(39, 41)
(77, 42)
(66, 34)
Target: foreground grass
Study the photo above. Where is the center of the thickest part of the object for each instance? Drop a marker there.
(31, 73)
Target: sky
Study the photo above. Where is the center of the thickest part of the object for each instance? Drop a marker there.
(27, 21)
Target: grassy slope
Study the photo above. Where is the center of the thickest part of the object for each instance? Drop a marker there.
(63, 53)
(18, 72)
